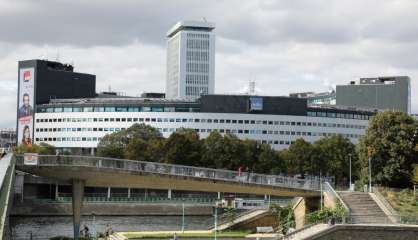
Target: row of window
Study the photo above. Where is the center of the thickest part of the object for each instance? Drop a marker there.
(169, 130)
(183, 109)
(197, 79)
(339, 115)
(204, 120)
(198, 35)
(197, 67)
(117, 109)
(196, 91)
(96, 139)
(197, 43)
(197, 56)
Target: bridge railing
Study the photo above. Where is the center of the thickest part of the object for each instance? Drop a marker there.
(336, 197)
(171, 169)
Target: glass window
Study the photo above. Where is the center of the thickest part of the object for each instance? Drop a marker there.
(133, 109)
(68, 109)
(88, 109)
(110, 109)
(57, 109)
(146, 109)
(157, 109)
(99, 109)
(77, 109)
(121, 109)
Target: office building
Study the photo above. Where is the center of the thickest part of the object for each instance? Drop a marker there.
(383, 93)
(7, 139)
(79, 124)
(39, 81)
(190, 60)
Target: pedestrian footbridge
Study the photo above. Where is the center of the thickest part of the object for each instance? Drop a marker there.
(100, 172)
(92, 171)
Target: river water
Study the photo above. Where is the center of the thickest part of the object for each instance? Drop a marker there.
(47, 227)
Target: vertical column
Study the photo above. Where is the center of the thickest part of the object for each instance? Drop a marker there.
(108, 192)
(169, 194)
(78, 194)
(219, 195)
(56, 191)
(129, 193)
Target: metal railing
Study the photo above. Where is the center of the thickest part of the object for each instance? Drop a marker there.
(7, 171)
(170, 169)
(383, 200)
(335, 197)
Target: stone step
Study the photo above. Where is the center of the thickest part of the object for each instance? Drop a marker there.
(363, 209)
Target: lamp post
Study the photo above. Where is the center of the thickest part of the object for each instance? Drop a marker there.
(349, 186)
(370, 151)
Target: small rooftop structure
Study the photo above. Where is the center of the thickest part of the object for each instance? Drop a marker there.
(191, 25)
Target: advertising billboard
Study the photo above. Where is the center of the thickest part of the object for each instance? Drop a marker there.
(256, 104)
(25, 107)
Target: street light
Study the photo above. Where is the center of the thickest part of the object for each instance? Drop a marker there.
(370, 151)
(349, 186)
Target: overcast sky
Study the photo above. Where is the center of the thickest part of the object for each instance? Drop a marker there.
(285, 46)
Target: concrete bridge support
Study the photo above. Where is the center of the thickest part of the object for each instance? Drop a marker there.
(302, 207)
(78, 194)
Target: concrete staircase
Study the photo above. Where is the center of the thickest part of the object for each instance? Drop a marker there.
(363, 209)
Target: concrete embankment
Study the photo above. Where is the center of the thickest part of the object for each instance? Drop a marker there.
(34, 208)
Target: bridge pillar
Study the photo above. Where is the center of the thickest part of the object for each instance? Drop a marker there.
(78, 194)
(302, 207)
(56, 191)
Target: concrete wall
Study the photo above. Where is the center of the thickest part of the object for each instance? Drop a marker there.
(32, 208)
(382, 232)
(302, 207)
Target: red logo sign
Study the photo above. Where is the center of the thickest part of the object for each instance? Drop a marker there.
(26, 76)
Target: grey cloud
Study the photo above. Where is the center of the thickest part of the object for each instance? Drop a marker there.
(92, 23)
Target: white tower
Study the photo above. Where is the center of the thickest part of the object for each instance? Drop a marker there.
(190, 60)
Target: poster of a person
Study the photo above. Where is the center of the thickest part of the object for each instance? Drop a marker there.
(26, 139)
(26, 109)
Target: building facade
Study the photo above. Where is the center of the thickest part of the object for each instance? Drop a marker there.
(190, 60)
(385, 93)
(278, 121)
(7, 139)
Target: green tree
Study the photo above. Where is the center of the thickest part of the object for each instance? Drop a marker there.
(298, 157)
(390, 141)
(183, 147)
(285, 217)
(133, 143)
(331, 156)
(268, 160)
(42, 149)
